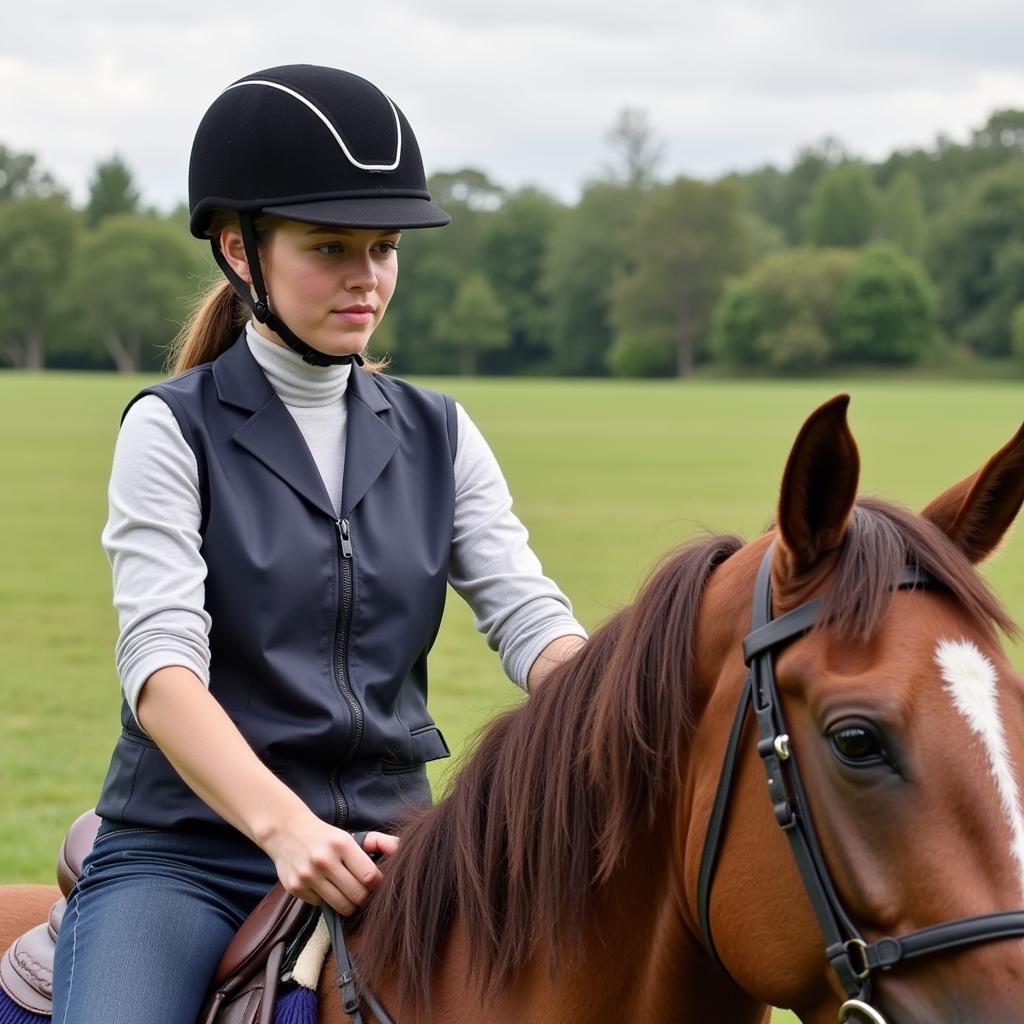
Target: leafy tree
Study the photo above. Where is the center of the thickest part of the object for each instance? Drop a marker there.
(1017, 331)
(765, 238)
(477, 322)
(781, 314)
(639, 353)
(901, 214)
(514, 241)
(37, 239)
(941, 172)
(385, 337)
(1003, 132)
(779, 197)
(844, 207)
(111, 192)
(585, 255)
(976, 258)
(637, 150)
(432, 265)
(130, 287)
(743, 317)
(887, 310)
(427, 283)
(179, 217)
(687, 240)
(945, 170)
(764, 189)
(20, 176)
(466, 187)
(800, 345)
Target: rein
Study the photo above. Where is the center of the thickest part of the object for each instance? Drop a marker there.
(347, 989)
(852, 958)
(347, 974)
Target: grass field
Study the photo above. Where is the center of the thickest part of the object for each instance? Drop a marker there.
(607, 475)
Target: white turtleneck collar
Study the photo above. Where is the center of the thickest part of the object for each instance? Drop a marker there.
(297, 383)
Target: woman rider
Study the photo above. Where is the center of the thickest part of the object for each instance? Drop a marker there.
(284, 519)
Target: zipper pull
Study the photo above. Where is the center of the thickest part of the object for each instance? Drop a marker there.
(343, 536)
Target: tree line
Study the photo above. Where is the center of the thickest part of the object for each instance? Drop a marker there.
(831, 262)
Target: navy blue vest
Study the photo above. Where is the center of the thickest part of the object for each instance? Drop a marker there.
(321, 623)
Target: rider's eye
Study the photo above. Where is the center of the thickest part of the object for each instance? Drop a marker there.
(857, 745)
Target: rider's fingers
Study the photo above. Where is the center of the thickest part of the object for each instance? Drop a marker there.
(359, 865)
(305, 891)
(337, 887)
(350, 886)
(379, 842)
(334, 896)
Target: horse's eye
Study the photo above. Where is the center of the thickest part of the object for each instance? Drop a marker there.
(857, 745)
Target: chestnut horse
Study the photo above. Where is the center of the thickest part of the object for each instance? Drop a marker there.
(559, 878)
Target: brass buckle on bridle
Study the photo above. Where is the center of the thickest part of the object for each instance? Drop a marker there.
(852, 1006)
(857, 954)
(861, 956)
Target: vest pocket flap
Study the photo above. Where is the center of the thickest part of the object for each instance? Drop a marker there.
(428, 744)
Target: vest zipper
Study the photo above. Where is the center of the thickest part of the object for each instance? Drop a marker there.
(341, 661)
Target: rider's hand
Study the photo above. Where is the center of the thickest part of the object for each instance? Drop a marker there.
(318, 862)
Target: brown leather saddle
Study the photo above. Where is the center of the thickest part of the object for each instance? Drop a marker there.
(246, 980)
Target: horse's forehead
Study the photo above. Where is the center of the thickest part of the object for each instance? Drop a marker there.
(898, 661)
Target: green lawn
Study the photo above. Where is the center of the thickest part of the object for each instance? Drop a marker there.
(607, 475)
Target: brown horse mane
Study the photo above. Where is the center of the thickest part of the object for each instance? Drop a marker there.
(542, 811)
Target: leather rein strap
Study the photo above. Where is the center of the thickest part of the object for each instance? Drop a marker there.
(852, 958)
(346, 965)
(347, 974)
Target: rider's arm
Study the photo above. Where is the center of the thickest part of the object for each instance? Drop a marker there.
(522, 613)
(560, 649)
(314, 860)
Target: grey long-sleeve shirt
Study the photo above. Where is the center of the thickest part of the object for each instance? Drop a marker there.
(153, 543)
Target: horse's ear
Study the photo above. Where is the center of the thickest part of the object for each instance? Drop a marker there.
(818, 488)
(976, 512)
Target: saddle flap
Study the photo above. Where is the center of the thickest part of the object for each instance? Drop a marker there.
(274, 920)
(75, 849)
(26, 969)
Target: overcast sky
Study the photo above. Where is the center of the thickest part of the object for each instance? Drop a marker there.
(526, 89)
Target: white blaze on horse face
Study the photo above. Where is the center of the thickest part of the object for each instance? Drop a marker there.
(972, 681)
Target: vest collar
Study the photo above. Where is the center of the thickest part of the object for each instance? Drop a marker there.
(369, 440)
(273, 437)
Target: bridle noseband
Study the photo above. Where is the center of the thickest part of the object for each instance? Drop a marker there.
(851, 956)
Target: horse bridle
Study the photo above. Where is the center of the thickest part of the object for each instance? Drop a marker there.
(852, 958)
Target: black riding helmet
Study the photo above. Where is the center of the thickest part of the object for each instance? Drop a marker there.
(311, 144)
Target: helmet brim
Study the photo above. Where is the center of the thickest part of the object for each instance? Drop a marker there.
(394, 212)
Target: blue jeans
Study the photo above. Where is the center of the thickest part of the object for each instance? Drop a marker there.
(147, 923)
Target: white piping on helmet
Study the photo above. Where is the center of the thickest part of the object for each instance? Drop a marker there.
(330, 127)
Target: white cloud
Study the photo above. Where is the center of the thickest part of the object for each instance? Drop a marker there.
(526, 90)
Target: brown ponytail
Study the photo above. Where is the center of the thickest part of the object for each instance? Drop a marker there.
(220, 314)
(214, 324)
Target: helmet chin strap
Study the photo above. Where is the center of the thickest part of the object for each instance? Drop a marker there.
(260, 307)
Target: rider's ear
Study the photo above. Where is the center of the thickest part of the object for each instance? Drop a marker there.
(976, 512)
(818, 488)
(233, 248)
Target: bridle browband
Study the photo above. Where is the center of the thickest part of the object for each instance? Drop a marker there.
(851, 956)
